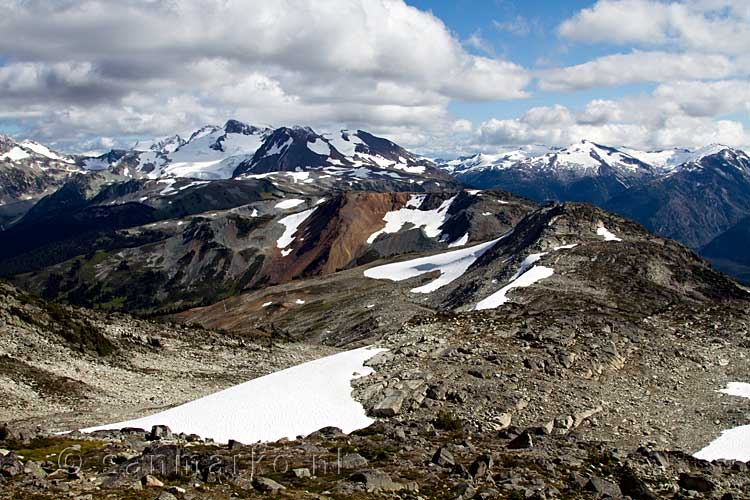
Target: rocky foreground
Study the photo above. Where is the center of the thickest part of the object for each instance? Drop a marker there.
(468, 406)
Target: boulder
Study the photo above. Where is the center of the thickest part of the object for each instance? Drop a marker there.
(375, 480)
(481, 466)
(267, 485)
(353, 461)
(604, 488)
(443, 458)
(149, 481)
(160, 432)
(390, 405)
(301, 472)
(696, 482)
(521, 442)
(10, 465)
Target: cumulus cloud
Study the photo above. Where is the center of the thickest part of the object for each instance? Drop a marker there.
(157, 66)
(674, 115)
(715, 26)
(638, 67)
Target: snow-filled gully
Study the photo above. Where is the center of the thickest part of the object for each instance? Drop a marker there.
(285, 404)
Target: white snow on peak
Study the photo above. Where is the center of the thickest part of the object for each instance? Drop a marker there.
(528, 278)
(346, 143)
(606, 234)
(733, 444)
(429, 220)
(700, 153)
(15, 154)
(291, 224)
(40, 149)
(286, 404)
(451, 265)
(287, 204)
(279, 148)
(320, 147)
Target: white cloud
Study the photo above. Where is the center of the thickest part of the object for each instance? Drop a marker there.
(675, 115)
(713, 26)
(288, 61)
(638, 67)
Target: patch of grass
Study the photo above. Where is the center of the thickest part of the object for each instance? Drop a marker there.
(41, 449)
(447, 422)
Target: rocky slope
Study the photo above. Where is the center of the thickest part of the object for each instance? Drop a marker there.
(194, 244)
(60, 363)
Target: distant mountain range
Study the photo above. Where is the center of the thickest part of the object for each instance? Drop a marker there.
(694, 196)
(691, 196)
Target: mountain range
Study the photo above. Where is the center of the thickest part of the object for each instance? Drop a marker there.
(692, 196)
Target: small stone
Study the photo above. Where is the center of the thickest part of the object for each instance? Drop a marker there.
(390, 405)
(301, 472)
(160, 432)
(523, 441)
(603, 487)
(267, 485)
(443, 458)
(149, 481)
(353, 461)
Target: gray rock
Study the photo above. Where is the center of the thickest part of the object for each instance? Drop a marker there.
(375, 480)
(696, 482)
(605, 489)
(353, 461)
(443, 458)
(302, 472)
(521, 442)
(481, 466)
(10, 465)
(390, 405)
(160, 432)
(267, 485)
(34, 469)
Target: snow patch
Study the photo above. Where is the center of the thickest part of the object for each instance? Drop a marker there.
(15, 154)
(429, 220)
(286, 404)
(287, 204)
(460, 241)
(733, 444)
(291, 224)
(526, 279)
(320, 147)
(452, 265)
(44, 151)
(606, 234)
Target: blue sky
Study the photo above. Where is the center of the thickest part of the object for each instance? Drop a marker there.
(444, 77)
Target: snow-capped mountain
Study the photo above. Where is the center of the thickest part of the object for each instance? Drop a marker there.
(346, 154)
(695, 201)
(584, 171)
(28, 171)
(241, 150)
